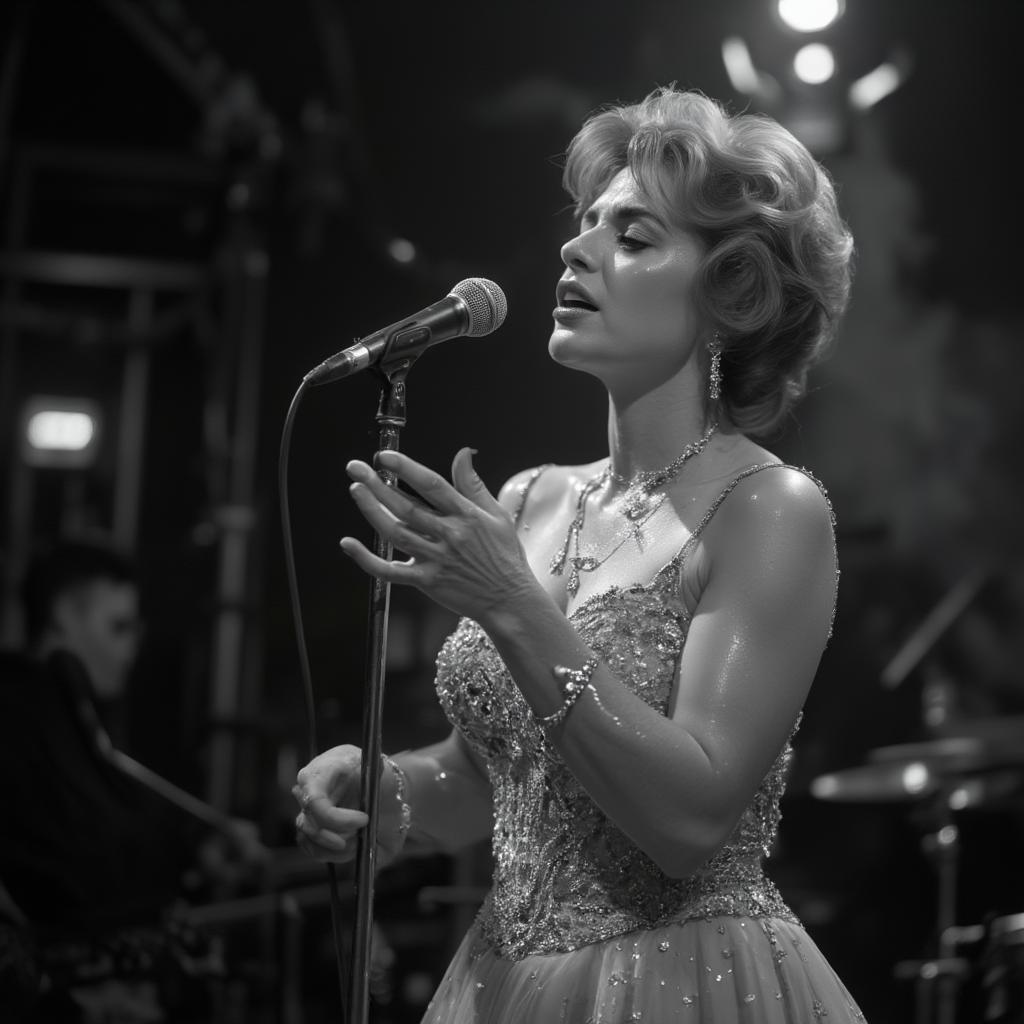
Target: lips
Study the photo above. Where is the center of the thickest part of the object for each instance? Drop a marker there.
(572, 295)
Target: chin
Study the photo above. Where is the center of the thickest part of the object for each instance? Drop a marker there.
(564, 347)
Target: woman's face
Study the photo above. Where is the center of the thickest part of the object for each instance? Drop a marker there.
(625, 301)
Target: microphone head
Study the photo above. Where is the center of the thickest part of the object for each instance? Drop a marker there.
(485, 302)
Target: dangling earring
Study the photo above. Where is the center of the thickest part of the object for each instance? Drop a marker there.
(715, 372)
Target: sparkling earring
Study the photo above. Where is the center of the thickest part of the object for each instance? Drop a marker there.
(715, 372)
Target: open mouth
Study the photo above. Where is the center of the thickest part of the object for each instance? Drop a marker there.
(572, 295)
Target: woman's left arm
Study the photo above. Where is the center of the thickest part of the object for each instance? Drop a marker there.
(676, 785)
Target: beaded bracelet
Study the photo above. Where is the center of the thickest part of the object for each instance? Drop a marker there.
(401, 792)
(573, 681)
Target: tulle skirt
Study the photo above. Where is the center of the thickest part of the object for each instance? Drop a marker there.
(723, 970)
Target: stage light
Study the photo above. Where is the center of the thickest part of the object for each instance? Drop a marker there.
(738, 65)
(825, 787)
(401, 250)
(867, 90)
(916, 777)
(809, 15)
(60, 432)
(814, 63)
(745, 78)
(54, 430)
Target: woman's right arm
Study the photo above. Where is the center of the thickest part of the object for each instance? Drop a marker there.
(449, 796)
(446, 789)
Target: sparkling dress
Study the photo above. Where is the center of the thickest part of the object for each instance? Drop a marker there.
(580, 926)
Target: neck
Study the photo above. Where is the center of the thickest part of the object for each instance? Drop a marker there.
(649, 431)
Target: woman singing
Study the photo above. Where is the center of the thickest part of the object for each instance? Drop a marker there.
(638, 634)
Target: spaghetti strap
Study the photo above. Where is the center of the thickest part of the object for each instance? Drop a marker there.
(681, 555)
(524, 491)
(671, 572)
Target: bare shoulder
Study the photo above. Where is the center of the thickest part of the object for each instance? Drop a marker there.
(778, 503)
(547, 487)
(777, 492)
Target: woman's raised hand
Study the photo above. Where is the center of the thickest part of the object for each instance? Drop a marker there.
(463, 548)
(327, 791)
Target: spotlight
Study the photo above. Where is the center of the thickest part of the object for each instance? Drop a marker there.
(401, 250)
(60, 432)
(809, 15)
(814, 63)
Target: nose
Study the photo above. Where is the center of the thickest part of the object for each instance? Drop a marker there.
(575, 253)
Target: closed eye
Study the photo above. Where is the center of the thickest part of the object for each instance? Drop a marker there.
(631, 243)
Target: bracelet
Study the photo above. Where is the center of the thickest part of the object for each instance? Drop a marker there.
(573, 682)
(401, 792)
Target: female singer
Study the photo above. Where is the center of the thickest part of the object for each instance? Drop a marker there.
(638, 634)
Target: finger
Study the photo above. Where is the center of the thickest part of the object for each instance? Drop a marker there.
(321, 814)
(468, 483)
(430, 486)
(322, 853)
(332, 839)
(408, 572)
(415, 513)
(387, 525)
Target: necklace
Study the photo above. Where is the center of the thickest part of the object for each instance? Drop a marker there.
(638, 506)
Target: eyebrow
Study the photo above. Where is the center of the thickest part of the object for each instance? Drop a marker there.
(619, 212)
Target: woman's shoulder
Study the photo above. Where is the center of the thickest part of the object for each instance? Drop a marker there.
(772, 498)
(546, 486)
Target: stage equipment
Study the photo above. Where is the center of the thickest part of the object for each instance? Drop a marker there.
(1002, 981)
(474, 307)
(809, 15)
(228, 185)
(806, 81)
(60, 432)
(981, 768)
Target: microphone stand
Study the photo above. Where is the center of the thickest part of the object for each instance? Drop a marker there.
(391, 415)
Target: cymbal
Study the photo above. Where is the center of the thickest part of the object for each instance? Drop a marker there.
(997, 728)
(976, 745)
(944, 756)
(913, 780)
(878, 783)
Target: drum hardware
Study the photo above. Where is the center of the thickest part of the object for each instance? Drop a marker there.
(935, 984)
(1002, 963)
(962, 764)
(980, 768)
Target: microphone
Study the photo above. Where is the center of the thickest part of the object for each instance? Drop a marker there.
(473, 308)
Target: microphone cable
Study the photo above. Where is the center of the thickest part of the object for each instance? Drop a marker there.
(309, 701)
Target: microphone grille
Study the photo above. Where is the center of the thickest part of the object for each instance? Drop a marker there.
(486, 304)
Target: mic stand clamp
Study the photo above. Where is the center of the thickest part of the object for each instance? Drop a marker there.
(391, 417)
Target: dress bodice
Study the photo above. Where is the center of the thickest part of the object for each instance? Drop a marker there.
(564, 874)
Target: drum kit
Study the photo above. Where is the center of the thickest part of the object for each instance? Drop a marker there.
(974, 974)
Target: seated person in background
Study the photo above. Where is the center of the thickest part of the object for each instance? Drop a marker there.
(90, 858)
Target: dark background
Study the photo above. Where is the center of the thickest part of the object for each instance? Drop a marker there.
(352, 125)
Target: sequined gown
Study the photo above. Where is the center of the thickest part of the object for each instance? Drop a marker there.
(580, 926)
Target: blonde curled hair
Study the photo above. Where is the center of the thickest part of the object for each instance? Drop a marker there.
(775, 277)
